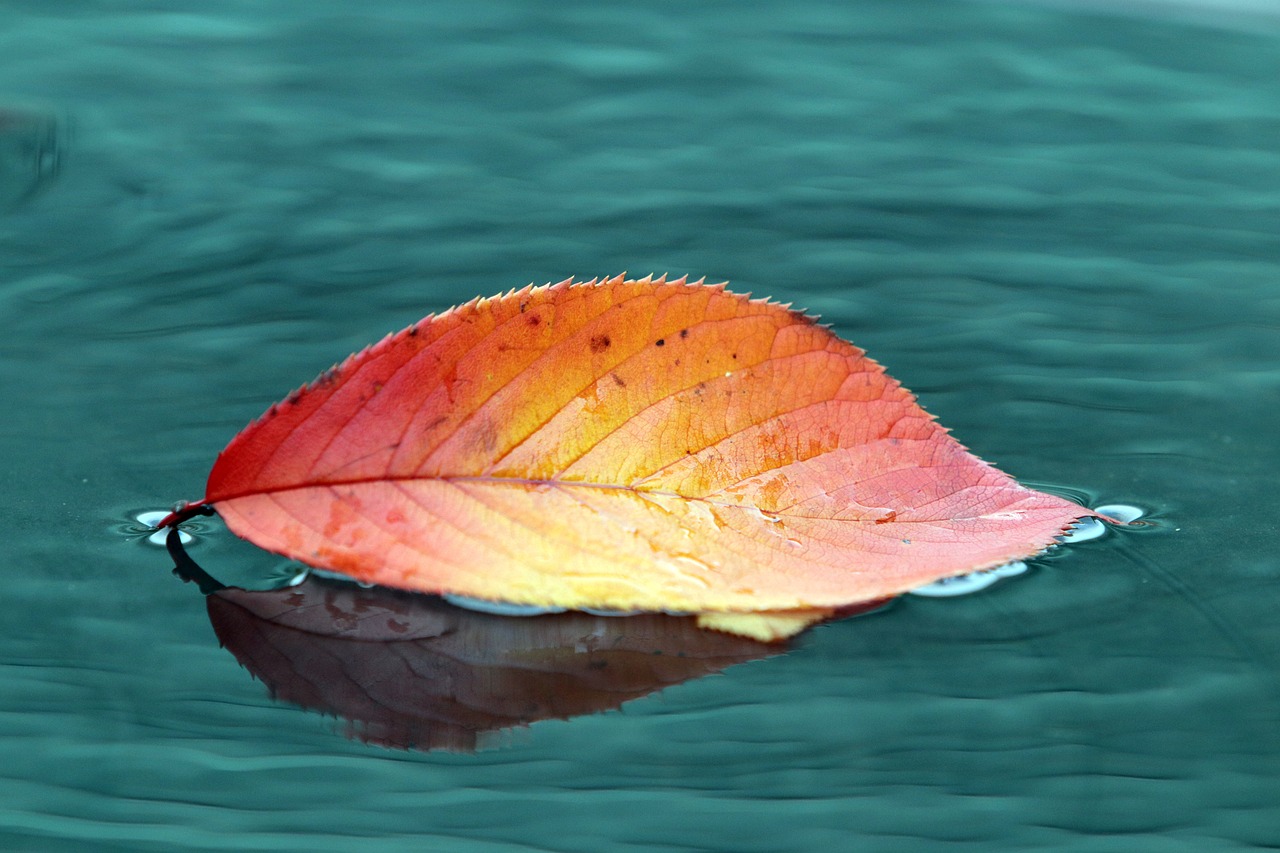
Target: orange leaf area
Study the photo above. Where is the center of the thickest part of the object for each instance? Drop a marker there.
(635, 445)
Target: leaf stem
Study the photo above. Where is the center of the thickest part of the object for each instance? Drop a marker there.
(183, 511)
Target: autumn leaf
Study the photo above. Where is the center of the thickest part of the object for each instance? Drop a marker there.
(644, 445)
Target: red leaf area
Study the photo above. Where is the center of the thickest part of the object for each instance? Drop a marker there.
(637, 445)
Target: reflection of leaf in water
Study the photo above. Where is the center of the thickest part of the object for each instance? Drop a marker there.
(411, 671)
(30, 155)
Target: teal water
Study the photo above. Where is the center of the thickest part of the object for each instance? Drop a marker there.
(1059, 228)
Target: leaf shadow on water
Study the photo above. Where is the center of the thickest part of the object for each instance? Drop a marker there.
(411, 671)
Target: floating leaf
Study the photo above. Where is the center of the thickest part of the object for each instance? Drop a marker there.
(633, 445)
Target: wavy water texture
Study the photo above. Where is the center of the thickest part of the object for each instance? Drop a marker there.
(1058, 227)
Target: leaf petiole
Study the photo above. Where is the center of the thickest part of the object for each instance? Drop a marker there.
(183, 511)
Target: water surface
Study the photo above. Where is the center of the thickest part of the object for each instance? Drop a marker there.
(1059, 228)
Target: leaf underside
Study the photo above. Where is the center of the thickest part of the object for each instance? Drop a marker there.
(631, 445)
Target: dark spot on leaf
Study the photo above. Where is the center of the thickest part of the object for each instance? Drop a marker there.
(661, 342)
(413, 331)
(735, 356)
(618, 380)
(329, 377)
(533, 319)
(887, 517)
(600, 343)
(677, 362)
(684, 333)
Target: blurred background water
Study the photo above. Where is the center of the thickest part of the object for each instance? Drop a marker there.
(1058, 226)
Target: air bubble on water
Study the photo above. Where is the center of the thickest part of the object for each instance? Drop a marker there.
(151, 518)
(312, 571)
(1120, 512)
(1091, 528)
(970, 583)
(1008, 570)
(1084, 530)
(498, 608)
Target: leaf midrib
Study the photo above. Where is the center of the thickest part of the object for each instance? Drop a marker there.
(524, 482)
